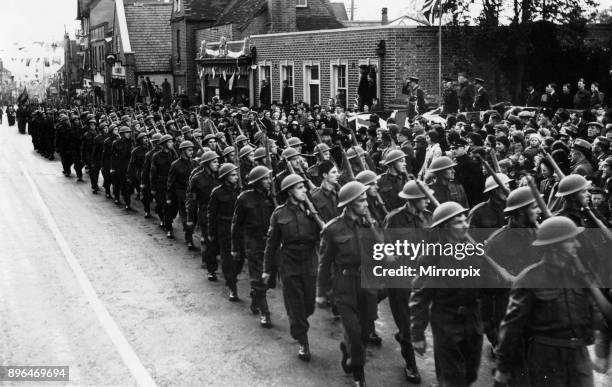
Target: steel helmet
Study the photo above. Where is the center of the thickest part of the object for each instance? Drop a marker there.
(260, 153)
(156, 137)
(294, 141)
(245, 150)
(290, 181)
(227, 151)
(354, 151)
(197, 133)
(441, 163)
(225, 169)
(445, 212)
(209, 137)
(394, 156)
(141, 135)
(165, 138)
(411, 191)
(289, 153)
(257, 173)
(571, 184)
(366, 177)
(241, 137)
(208, 156)
(519, 198)
(125, 118)
(320, 148)
(185, 129)
(349, 192)
(491, 184)
(186, 144)
(124, 129)
(556, 229)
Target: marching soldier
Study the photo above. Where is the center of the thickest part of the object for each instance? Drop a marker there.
(552, 312)
(198, 196)
(294, 234)
(178, 178)
(444, 187)
(340, 259)
(107, 152)
(87, 147)
(450, 304)
(62, 142)
(415, 217)
(322, 152)
(246, 155)
(74, 146)
(136, 163)
(249, 225)
(158, 176)
(121, 151)
(375, 205)
(219, 217)
(391, 182)
(145, 182)
(489, 214)
(325, 197)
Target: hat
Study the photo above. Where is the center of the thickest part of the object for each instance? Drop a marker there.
(595, 123)
(413, 79)
(479, 80)
(525, 114)
(582, 145)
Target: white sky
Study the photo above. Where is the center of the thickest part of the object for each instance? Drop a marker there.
(27, 21)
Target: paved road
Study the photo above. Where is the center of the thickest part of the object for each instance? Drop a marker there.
(86, 285)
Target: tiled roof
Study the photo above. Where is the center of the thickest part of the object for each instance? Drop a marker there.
(339, 11)
(318, 23)
(150, 36)
(204, 9)
(241, 13)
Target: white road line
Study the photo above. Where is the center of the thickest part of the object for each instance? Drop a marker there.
(127, 353)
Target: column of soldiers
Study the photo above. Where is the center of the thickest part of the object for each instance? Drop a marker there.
(521, 181)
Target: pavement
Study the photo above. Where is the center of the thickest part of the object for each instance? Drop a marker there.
(86, 285)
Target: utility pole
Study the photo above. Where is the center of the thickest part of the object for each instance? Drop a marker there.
(352, 10)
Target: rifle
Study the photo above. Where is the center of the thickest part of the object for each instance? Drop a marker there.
(552, 161)
(502, 272)
(493, 174)
(494, 161)
(594, 283)
(236, 160)
(309, 204)
(269, 162)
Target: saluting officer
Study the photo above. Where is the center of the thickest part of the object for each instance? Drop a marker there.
(249, 226)
(219, 217)
(294, 234)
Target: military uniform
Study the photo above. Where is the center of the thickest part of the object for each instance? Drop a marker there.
(62, 141)
(160, 167)
(197, 198)
(451, 192)
(87, 148)
(220, 214)
(326, 203)
(486, 217)
(451, 101)
(389, 186)
(293, 233)
(481, 101)
(106, 162)
(135, 166)
(340, 271)
(178, 178)
(249, 225)
(121, 151)
(552, 311)
(145, 182)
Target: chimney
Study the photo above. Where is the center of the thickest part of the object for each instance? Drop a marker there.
(385, 17)
(283, 16)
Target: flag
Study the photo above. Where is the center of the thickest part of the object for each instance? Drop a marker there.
(431, 9)
(230, 84)
(23, 97)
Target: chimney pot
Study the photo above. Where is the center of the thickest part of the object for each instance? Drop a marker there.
(385, 17)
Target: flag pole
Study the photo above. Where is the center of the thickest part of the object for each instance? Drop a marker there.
(440, 51)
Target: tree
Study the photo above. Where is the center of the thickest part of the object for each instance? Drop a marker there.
(604, 16)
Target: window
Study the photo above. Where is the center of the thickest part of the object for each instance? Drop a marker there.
(312, 83)
(301, 3)
(369, 68)
(286, 74)
(339, 82)
(177, 5)
(178, 46)
(265, 80)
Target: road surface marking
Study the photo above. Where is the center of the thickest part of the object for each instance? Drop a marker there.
(131, 360)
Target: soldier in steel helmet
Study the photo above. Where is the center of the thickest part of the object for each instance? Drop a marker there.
(551, 309)
(375, 205)
(340, 258)
(219, 217)
(322, 152)
(145, 182)
(176, 189)
(449, 304)
(246, 156)
(96, 157)
(137, 162)
(120, 158)
(391, 182)
(444, 187)
(250, 222)
(487, 216)
(291, 247)
(113, 134)
(160, 167)
(197, 198)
